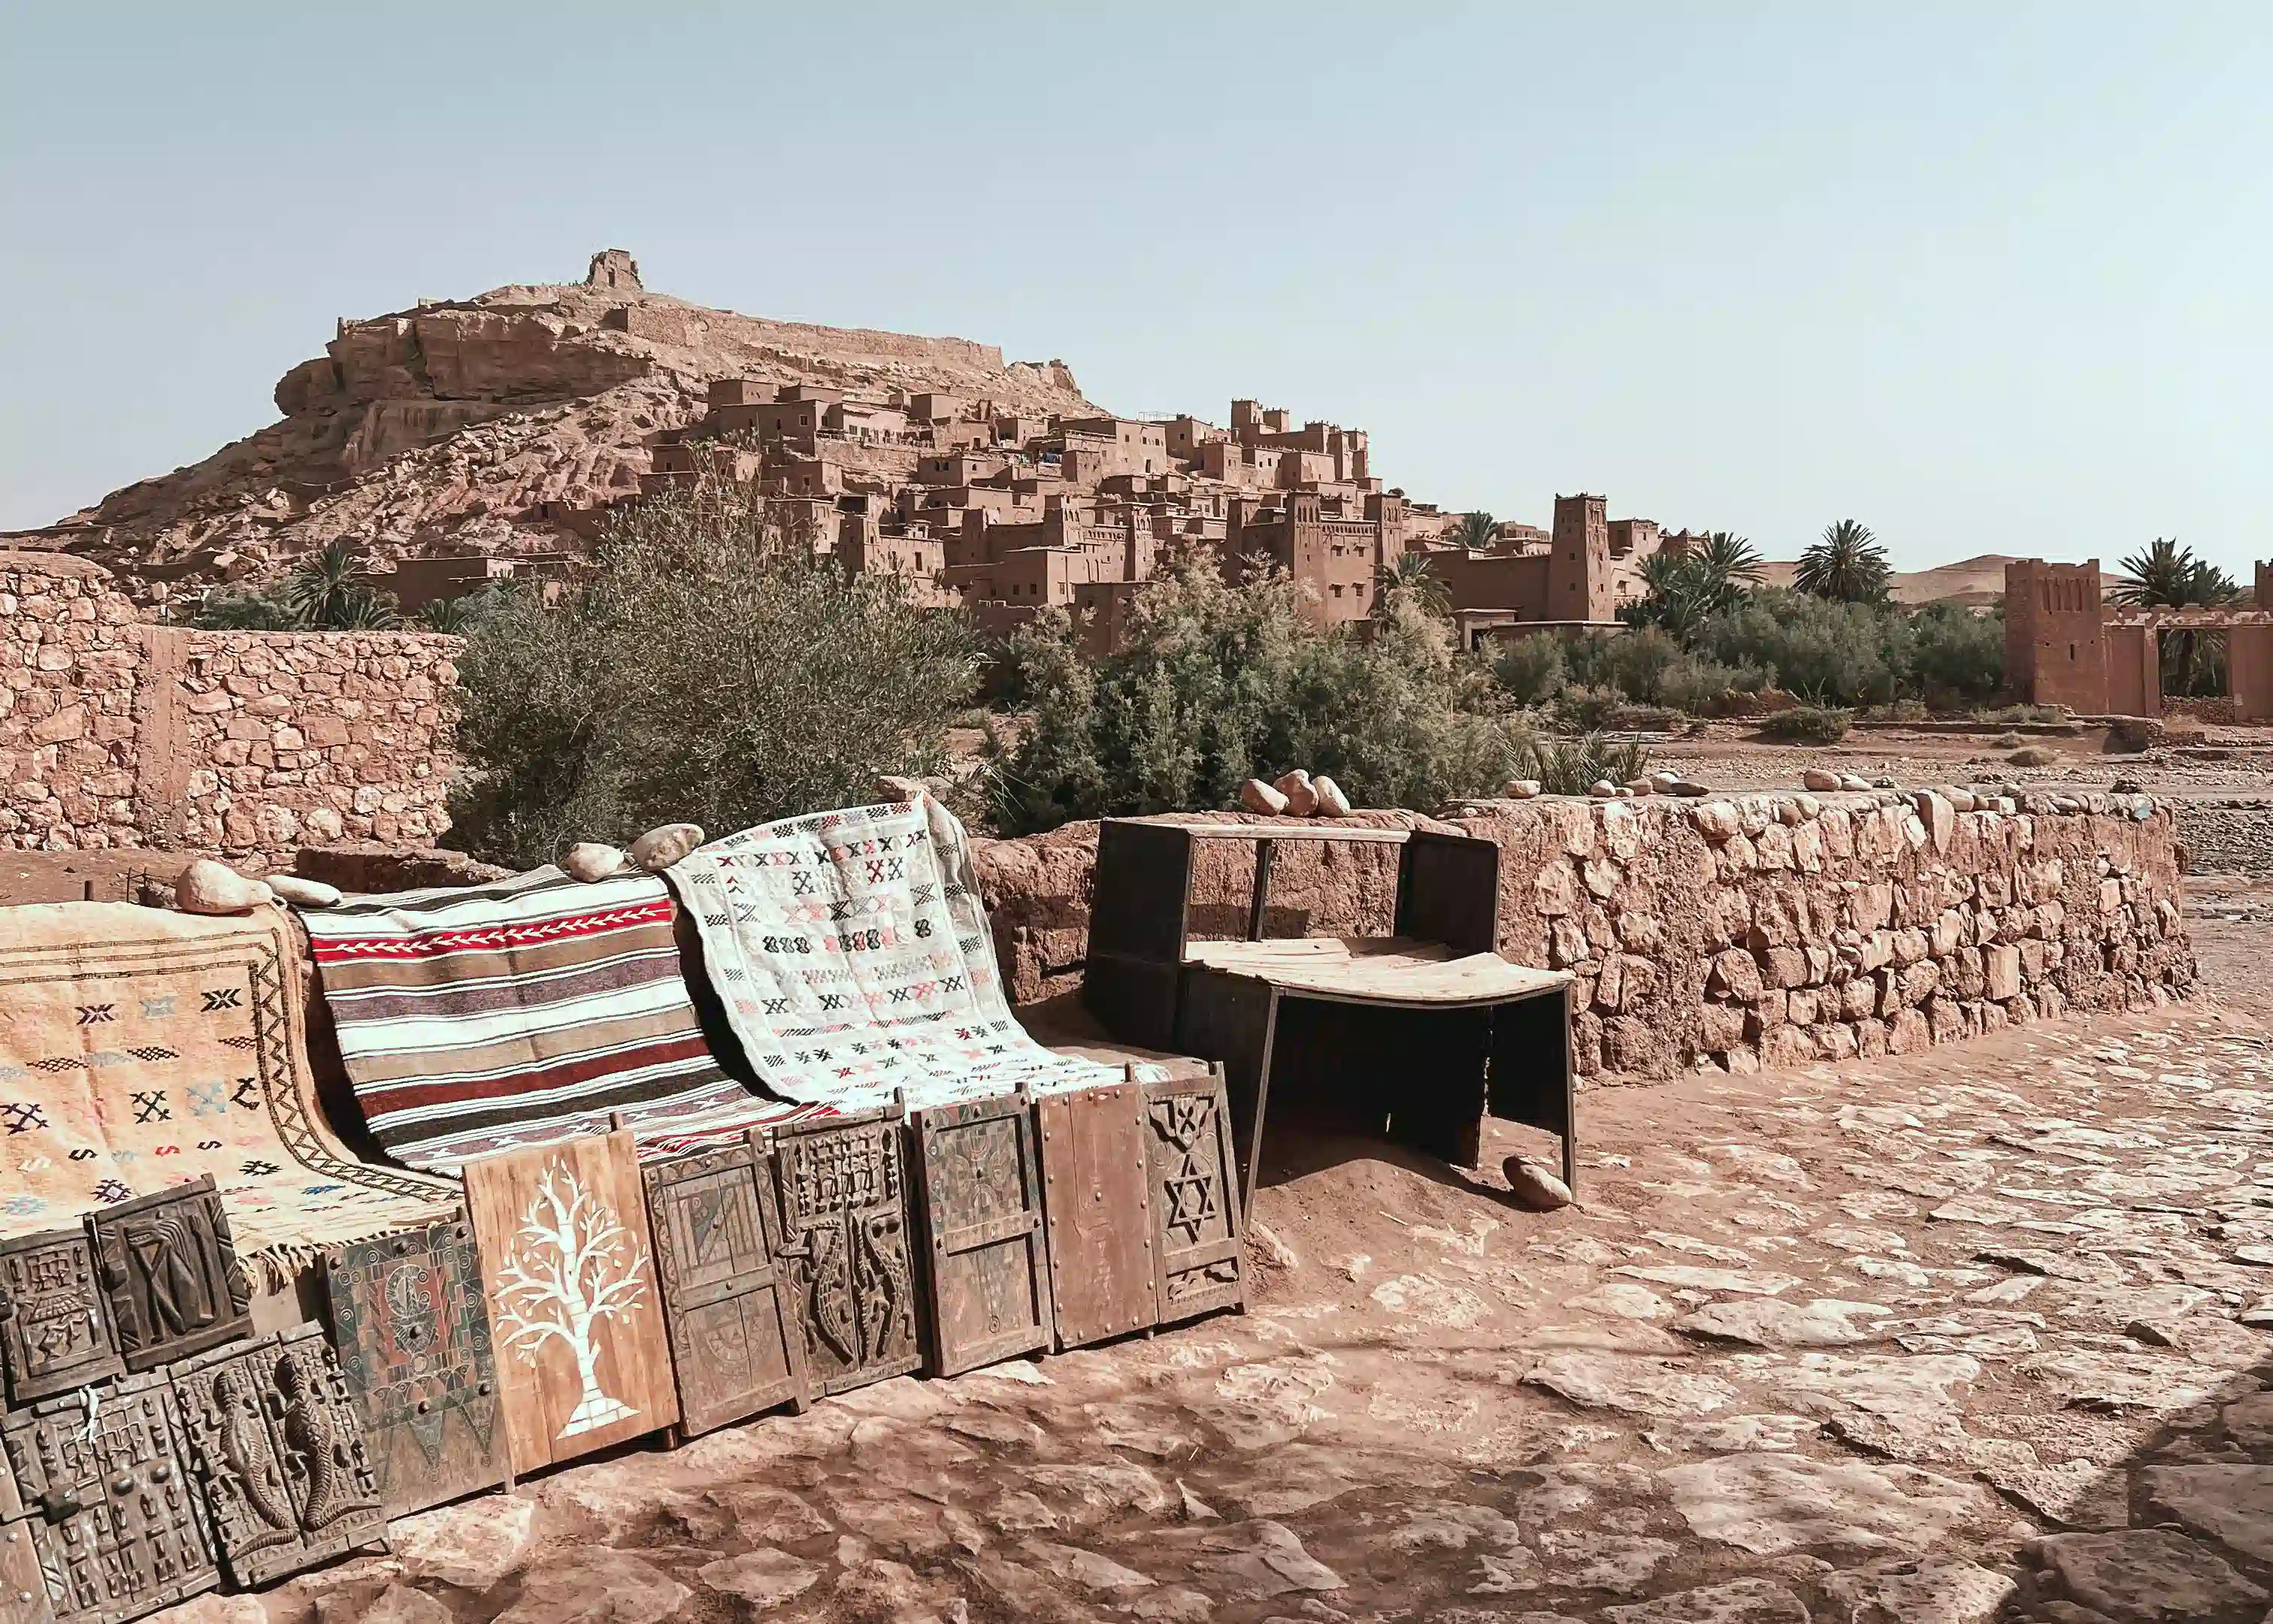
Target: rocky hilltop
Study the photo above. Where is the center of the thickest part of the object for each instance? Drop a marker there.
(494, 424)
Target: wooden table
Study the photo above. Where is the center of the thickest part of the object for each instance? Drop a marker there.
(1419, 1034)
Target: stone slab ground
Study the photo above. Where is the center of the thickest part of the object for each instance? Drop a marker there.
(1957, 1335)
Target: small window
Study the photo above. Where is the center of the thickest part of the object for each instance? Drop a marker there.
(2071, 651)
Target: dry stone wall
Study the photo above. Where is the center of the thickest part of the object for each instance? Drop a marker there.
(118, 735)
(1736, 932)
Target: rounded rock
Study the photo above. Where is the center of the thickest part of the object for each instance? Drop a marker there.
(209, 888)
(666, 844)
(1534, 1188)
(1301, 795)
(1332, 801)
(1603, 789)
(1258, 796)
(589, 860)
(1818, 778)
(1522, 789)
(302, 893)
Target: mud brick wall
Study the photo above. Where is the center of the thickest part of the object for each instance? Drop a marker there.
(119, 734)
(1733, 933)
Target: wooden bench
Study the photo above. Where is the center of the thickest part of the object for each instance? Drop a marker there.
(1421, 1033)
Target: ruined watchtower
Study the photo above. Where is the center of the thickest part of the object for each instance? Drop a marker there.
(613, 269)
(2055, 641)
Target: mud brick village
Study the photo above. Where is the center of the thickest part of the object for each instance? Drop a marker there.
(657, 964)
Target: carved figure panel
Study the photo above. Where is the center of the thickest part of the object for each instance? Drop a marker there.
(736, 1344)
(119, 1525)
(1196, 1208)
(569, 1270)
(272, 1432)
(1099, 1204)
(842, 1191)
(170, 1271)
(55, 1323)
(986, 1259)
(415, 1348)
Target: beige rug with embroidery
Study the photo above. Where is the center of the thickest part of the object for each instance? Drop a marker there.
(140, 1048)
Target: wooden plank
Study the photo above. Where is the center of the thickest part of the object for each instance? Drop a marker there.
(988, 1261)
(272, 1432)
(169, 1268)
(1359, 835)
(568, 1265)
(1197, 1221)
(55, 1332)
(23, 1587)
(412, 1328)
(1380, 969)
(841, 1194)
(1098, 1201)
(1531, 1074)
(736, 1345)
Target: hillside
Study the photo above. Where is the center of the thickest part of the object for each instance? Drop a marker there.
(491, 422)
(1974, 582)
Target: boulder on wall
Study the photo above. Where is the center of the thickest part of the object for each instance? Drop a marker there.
(501, 423)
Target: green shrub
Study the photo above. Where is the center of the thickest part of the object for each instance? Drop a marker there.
(1957, 655)
(1585, 709)
(1639, 661)
(1572, 765)
(709, 671)
(1701, 687)
(1216, 683)
(1531, 669)
(1804, 724)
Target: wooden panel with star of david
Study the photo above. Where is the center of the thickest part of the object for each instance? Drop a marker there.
(1196, 1222)
(416, 1350)
(987, 1256)
(736, 1344)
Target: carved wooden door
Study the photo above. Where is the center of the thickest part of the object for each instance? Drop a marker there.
(23, 1587)
(415, 1348)
(170, 1271)
(1099, 1203)
(1196, 1219)
(988, 1260)
(736, 1344)
(567, 1265)
(841, 1187)
(120, 1526)
(54, 1322)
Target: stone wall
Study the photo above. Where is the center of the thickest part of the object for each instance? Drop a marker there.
(1732, 932)
(119, 734)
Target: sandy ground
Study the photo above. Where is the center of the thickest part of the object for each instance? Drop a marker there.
(1846, 1344)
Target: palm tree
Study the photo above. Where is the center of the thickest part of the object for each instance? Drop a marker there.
(1732, 557)
(1408, 575)
(1477, 531)
(333, 592)
(2168, 576)
(1849, 564)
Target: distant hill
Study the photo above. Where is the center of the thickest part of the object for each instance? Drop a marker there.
(1975, 582)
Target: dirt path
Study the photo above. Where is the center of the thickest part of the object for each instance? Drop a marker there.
(1839, 1344)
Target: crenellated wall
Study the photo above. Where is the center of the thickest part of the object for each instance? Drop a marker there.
(119, 734)
(1735, 933)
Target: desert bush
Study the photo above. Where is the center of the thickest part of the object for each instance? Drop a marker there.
(2033, 755)
(1533, 669)
(1806, 724)
(1829, 653)
(1572, 765)
(1581, 709)
(1957, 657)
(1701, 687)
(1215, 683)
(709, 670)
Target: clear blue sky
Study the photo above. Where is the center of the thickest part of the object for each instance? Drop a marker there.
(1991, 278)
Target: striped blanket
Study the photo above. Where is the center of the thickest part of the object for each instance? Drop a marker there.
(477, 1019)
(852, 956)
(141, 1048)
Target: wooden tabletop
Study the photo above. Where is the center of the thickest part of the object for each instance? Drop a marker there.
(1363, 834)
(1381, 969)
